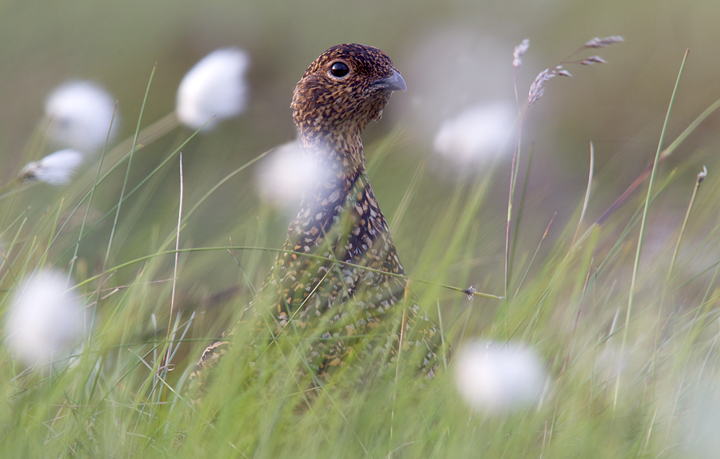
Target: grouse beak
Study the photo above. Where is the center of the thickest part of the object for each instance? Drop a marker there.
(394, 82)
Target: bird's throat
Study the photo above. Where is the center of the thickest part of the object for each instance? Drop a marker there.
(340, 165)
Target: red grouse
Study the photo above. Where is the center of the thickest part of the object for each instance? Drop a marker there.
(338, 272)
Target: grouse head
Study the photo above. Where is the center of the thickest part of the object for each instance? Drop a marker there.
(344, 89)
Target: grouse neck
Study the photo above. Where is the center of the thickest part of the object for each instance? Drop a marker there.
(340, 165)
(339, 157)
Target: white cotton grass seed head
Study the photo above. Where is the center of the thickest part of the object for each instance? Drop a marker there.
(698, 426)
(499, 377)
(477, 134)
(55, 169)
(214, 89)
(45, 321)
(285, 175)
(80, 114)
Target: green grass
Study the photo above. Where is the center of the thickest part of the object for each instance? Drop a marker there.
(623, 382)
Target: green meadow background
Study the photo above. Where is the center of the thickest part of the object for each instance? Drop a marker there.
(637, 383)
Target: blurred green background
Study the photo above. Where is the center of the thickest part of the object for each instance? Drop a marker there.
(450, 229)
(453, 54)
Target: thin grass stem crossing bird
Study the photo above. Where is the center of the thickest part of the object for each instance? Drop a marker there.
(358, 312)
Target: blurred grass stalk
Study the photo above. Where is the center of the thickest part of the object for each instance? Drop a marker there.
(633, 281)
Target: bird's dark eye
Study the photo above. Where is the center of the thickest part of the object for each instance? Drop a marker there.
(339, 69)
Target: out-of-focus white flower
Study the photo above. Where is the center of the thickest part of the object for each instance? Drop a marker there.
(611, 363)
(80, 113)
(453, 51)
(285, 175)
(56, 168)
(698, 425)
(45, 321)
(214, 87)
(498, 377)
(476, 134)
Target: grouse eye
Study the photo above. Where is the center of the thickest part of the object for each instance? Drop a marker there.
(339, 69)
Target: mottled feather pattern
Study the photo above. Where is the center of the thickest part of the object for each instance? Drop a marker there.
(340, 219)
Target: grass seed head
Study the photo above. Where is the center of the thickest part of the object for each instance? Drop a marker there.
(593, 60)
(604, 42)
(536, 88)
(519, 51)
(702, 174)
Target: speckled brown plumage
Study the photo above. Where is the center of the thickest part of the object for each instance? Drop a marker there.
(340, 219)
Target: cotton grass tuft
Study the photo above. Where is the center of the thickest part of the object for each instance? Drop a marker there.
(495, 377)
(55, 169)
(214, 89)
(80, 114)
(285, 175)
(477, 134)
(45, 320)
